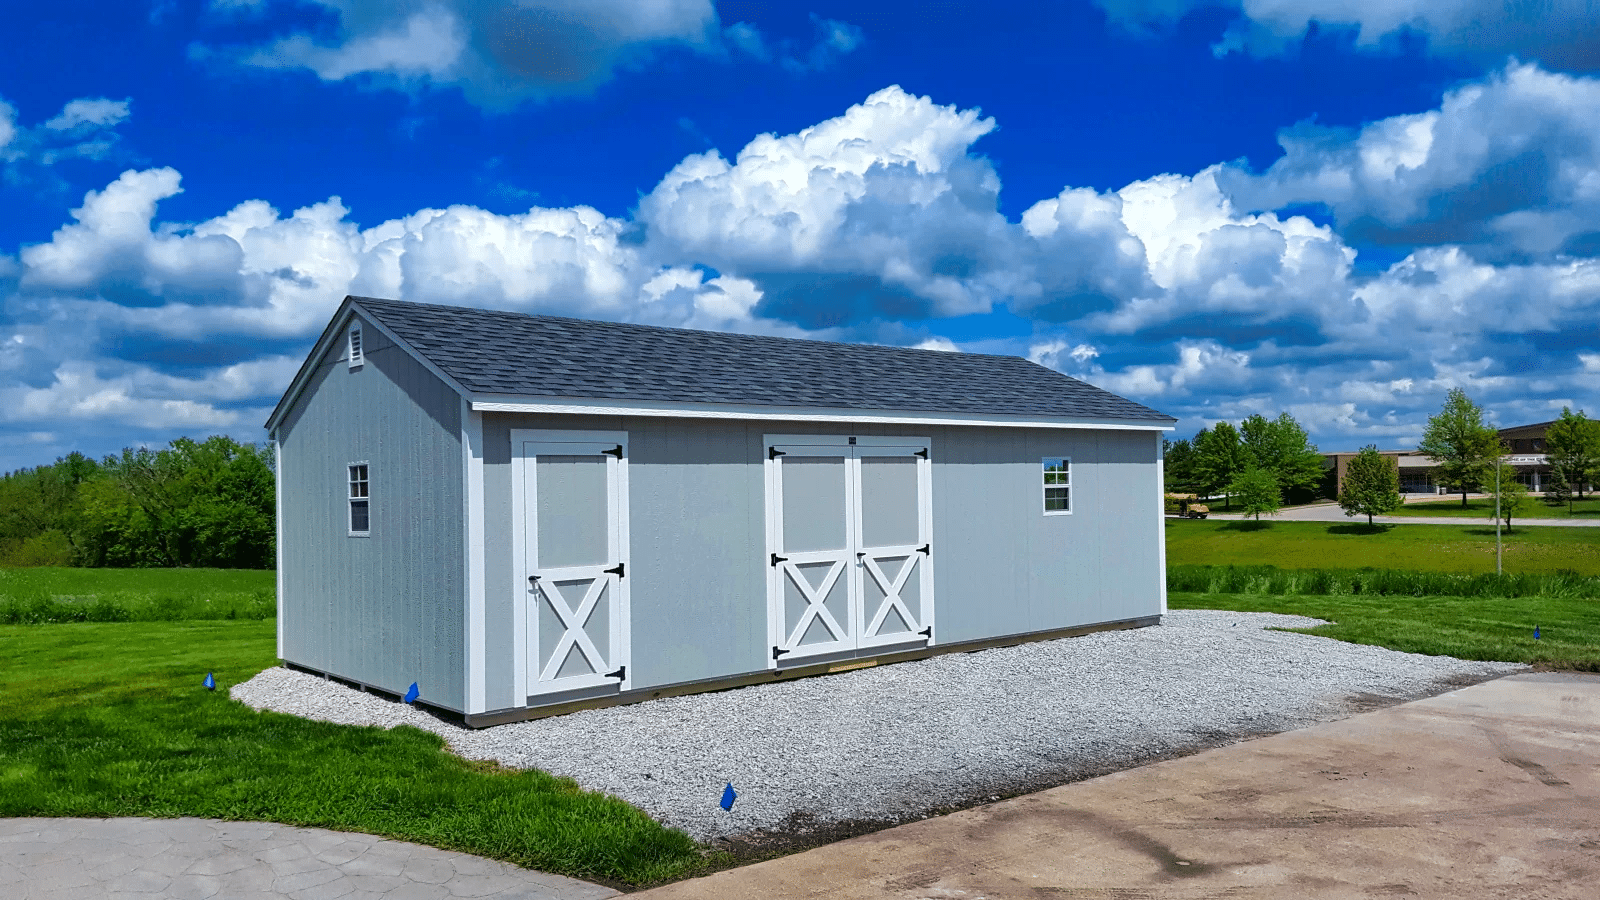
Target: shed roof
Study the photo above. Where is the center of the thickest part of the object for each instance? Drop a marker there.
(507, 353)
(495, 356)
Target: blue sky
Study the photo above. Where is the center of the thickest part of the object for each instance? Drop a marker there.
(1339, 208)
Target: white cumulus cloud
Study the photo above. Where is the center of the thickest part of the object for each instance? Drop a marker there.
(1562, 33)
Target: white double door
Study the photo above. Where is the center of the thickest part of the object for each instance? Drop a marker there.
(570, 548)
(850, 544)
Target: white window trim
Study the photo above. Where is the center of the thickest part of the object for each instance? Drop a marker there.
(1044, 486)
(355, 346)
(350, 501)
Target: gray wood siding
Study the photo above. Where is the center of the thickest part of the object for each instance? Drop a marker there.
(698, 567)
(388, 609)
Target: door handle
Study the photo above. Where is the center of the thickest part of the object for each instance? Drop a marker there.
(533, 580)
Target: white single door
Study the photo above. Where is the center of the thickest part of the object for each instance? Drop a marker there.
(849, 537)
(895, 529)
(573, 561)
(812, 545)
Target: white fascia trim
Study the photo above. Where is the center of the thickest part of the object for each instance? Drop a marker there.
(593, 407)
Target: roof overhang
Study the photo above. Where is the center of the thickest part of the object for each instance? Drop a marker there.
(570, 406)
(591, 406)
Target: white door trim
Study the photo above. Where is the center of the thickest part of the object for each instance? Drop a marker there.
(861, 622)
(524, 498)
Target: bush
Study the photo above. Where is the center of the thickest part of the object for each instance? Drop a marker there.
(48, 549)
(1272, 581)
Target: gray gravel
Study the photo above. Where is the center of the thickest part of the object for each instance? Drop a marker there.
(897, 742)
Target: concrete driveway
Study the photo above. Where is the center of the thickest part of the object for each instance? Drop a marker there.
(1491, 791)
(1330, 512)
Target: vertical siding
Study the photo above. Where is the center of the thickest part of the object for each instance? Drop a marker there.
(388, 609)
(698, 567)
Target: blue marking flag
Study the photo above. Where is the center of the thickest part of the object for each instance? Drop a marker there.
(412, 693)
(210, 682)
(1536, 632)
(728, 796)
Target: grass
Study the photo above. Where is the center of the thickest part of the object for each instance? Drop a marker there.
(44, 595)
(112, 720)
(1426, 548)
(1478, 628)
(1587, 508)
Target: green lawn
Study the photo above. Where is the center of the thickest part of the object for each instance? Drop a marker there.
(1436, 548)
(1588, 508)
(37, 595)
(1480, 628)
(112, 720)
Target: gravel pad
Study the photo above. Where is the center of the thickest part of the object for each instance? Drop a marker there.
(896, 742)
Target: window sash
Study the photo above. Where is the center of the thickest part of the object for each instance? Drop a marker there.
(1057, 484)
(360, 502)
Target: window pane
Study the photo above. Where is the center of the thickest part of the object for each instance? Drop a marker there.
(358, 515)
(1057, 499)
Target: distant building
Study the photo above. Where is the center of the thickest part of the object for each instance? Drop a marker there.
(1525, 444)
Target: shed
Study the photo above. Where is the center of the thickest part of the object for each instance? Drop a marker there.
(528, 514)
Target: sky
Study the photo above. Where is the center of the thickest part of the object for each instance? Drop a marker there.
(1340, 209)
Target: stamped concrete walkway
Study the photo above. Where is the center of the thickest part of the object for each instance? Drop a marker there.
(202, 859)
(1492, 791)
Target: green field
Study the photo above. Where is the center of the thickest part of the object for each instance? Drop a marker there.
(1587, 508)
(1481, 628)
(1436, 548)
(112, 720)
(41, 595)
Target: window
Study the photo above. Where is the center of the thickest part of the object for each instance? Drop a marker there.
(356, 356)
(359, 521)
(1057, 486)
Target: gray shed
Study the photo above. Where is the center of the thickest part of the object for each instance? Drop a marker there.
(527, 514)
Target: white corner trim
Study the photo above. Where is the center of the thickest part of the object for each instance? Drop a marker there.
(474, 558)
(601, 407)
(1161, 517)
(277, 491)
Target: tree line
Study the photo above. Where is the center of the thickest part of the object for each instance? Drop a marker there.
(1262, 462)
(192, 503)
(1468, 456)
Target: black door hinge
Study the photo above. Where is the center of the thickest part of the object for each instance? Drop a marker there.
(922, 453)
(774, 453)
(777, 652)
(926, 549)
(621, 674)
(778, 559)
(615, 570)
(927, 632)
(615, 451)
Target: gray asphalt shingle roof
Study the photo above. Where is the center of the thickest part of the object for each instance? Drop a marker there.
(492, 352)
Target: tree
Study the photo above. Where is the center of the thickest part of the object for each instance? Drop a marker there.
(1257, 490)
(1178, 468)
(1219, 459)
(1282, 447)
(1573, 444)
(1559, 491)
(1460, 444)
(1511, 493)
(1371, 485)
